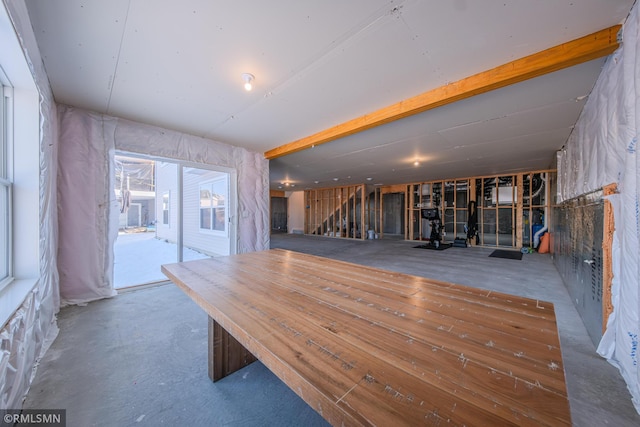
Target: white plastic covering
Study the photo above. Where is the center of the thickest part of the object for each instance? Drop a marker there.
(85, 263)
(88, 208)
(603, 150)
(252, 170)
(27, 334)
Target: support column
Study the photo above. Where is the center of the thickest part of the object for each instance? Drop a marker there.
(226, 354)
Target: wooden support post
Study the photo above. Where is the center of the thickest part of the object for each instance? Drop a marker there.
(363, 204)
(607, 255)
(226, 354)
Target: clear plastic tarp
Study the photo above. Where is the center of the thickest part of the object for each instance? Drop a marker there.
(29, 331)
(603, 150)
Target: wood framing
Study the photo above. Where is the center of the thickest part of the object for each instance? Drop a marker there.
(333, 212)
(587, 48)
(607, 254)
(517, 207)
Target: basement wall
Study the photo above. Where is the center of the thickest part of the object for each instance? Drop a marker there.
(602, 150)
(32, 327)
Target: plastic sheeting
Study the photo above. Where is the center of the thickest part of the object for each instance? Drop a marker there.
(89, 208)
(85, 264)
(603, 150)
(27, 334)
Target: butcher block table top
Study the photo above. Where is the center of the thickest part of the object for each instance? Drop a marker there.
(365, 346)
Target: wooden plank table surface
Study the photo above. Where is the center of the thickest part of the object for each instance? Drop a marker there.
(365, 346)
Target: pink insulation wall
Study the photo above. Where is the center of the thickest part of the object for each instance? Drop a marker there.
(88, 227)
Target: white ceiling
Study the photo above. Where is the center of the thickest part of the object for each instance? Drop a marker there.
(320, 63)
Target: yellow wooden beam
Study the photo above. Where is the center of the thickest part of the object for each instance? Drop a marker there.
(566, 55)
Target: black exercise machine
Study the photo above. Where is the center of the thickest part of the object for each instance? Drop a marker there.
(433, 216)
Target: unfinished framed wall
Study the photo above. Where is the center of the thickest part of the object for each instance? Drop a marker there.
(512, 210)
(450, 198)
(339, 212)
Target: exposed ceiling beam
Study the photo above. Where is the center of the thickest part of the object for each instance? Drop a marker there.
(565, 55)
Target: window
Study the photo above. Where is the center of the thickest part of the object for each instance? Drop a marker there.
(5, 189)
(19, 174)
(165, 208)
(213, 206)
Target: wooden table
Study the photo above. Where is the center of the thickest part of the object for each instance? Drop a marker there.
(364, 346)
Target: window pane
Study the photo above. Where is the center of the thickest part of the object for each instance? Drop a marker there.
(219, 193)
(3, 142)
(4, 232)
(5, 193)
(205, 218)
(165, 208)
(205, 196)
(219, 219)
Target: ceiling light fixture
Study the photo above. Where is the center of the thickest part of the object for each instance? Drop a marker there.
(248, 78)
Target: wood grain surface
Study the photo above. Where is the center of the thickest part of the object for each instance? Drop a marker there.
(364, 346)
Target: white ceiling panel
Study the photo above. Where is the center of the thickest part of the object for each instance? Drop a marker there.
(544, 107)
(555, 116)
(465, 37)
(80, 45)
(318, 64)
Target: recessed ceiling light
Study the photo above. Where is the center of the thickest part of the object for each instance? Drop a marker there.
(335, 179)
(416, 163)
(369, 179)
(316, 182)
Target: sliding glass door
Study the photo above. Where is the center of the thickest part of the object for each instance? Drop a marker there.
(169, 212)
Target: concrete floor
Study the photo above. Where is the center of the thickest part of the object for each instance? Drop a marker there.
(140, 358)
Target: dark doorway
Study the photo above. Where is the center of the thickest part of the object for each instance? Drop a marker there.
(393, 214)
(279, 214)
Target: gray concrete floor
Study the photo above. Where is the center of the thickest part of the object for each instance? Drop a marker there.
(141, 357)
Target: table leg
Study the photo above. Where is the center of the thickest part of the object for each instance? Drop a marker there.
(226, 354)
